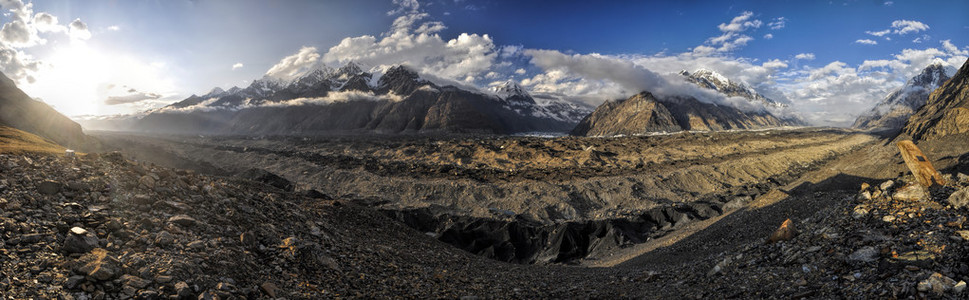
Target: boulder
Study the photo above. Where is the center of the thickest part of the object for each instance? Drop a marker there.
(959, 199)
(911, 192)
(784, 233)
(98, 264)
(80, 240)
(49, 187)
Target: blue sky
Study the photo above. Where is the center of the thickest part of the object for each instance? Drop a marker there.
(830, 60)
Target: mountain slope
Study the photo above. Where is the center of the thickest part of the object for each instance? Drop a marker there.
(946, 112)
(715, 81)
(19, 111)
(897, 107)
(644, 113)
(351, 100)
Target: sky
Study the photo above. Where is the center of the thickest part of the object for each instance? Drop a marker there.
(830, 61)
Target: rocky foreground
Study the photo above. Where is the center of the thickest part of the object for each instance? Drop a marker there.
(102, 227)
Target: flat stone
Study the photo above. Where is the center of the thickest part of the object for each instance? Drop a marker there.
(920, 258)
(49, 187)
(865, 254)
(78, 231)
(268, 288)
(182, 220)
(912, 192)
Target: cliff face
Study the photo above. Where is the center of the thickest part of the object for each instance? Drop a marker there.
(946, 112)
(19, 111)
(644, 113)
(897, 107)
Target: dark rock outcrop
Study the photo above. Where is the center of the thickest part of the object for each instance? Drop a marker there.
(946, 112)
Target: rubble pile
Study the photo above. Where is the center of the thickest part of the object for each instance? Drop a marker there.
(101, 227)
(894, 239)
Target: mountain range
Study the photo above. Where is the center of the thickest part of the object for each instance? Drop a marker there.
(647, 113)
(350, 99)
(893, 111)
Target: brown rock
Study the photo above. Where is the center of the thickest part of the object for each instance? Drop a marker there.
(268, 288)
(182, 220)
(182, 290)
(784, 233)
(98, 264)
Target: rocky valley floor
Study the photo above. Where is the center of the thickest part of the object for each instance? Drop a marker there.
(109, 227)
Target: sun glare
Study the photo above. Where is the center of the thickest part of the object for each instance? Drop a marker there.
(76, 80)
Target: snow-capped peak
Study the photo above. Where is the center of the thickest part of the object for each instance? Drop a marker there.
(508, 89)
(215, 92)
(713, 76)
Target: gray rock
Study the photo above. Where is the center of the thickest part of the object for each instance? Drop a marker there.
(959, 199)
(164, 239)
(886, 185)
(80, 243)
(865, 254)
(49, 187)
(959, 287)
(910, 192)
(860, 211)
(962, 177)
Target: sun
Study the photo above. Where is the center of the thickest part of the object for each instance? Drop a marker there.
(77, 79)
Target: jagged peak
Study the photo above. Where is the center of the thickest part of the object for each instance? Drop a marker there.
(508, 88)
(350, 69)
(710, 74)
(216, 91)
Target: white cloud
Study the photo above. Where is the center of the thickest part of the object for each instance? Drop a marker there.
(78, 30)
(879, 33)
(908, 26)
(740, 23)
(889, 3)
(404, 6)
(237, 66)
(952, 49)
(804, 56)
(768, 36)
(293, 66)
(520, 71)
(866, 42)
(777, 23)
(775, 64)
(465, 58)
(114, 28)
